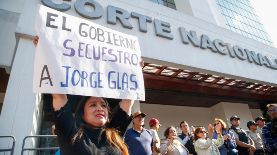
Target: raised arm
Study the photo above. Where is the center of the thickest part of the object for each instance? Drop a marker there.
(126, 105)
(219, 141)
(121, 116)
(59, 101)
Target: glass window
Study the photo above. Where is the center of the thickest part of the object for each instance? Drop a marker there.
(172, 6)
(154, 1)
(167, 3)
(240, 17)
(160, 2)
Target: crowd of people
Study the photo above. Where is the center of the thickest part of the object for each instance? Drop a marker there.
(95, 129)
(260, 139)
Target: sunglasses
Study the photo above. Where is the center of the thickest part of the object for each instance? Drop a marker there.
(202, 131)
(216, 124)
(273, 110)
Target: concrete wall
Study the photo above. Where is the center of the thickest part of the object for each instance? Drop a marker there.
(173, 115)
(8, 22)
(184, 6)
(10, 11)
(202, 10)
(20, 111)
(13, 5)
(218, 17)
(217, 111)
(197, 116)
(206, 10)
(225, 110)
(256, 112)
(241, 110)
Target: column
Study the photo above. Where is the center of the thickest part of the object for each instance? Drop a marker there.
(20, 112)
(224, 110)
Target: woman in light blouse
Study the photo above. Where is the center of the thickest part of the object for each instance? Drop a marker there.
(206, 145)
(172, 145)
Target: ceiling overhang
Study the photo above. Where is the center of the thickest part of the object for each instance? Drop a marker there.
(165, 83)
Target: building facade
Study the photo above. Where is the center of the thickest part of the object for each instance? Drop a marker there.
(195, 69)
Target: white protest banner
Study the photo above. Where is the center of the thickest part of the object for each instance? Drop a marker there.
(77, 56)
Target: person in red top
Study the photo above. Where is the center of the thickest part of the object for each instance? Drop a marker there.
(154, 127)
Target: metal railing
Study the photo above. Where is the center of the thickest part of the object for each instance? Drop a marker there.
(9, 149)
(37, 148)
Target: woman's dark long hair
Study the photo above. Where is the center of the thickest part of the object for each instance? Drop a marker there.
(111, 134)
(166, 132)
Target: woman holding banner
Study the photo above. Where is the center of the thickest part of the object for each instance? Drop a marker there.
(91, 130)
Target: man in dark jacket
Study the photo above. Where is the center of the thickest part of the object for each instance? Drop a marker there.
(187, 137)
(269, 132)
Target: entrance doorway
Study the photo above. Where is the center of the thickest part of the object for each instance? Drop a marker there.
(4, 78)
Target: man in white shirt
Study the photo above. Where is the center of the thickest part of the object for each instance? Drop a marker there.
(256, 137)
(261, 123)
